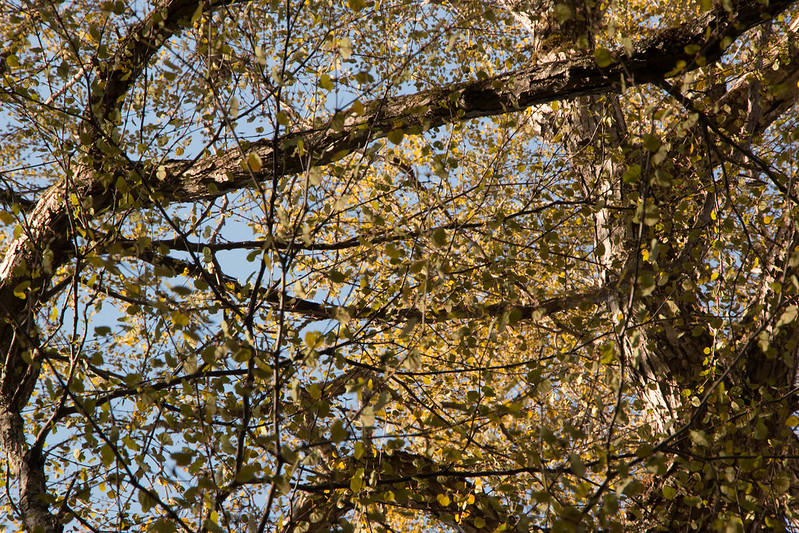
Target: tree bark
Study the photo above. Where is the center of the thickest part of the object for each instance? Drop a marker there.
(661, 352)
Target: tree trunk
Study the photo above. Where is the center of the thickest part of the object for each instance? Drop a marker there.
(662, 335)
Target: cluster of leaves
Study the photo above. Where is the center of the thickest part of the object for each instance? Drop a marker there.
(260, 304)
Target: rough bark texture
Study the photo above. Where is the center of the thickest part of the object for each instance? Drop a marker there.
(662, 357)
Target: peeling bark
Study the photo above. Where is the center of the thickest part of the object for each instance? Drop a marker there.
(662, 354)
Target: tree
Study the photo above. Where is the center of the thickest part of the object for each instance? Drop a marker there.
(310, 266)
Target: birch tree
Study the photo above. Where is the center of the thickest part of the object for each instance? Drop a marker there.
(456, 266)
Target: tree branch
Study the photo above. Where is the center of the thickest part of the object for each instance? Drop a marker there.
(653, 59)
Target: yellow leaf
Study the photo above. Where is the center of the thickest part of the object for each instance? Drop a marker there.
(254, 162)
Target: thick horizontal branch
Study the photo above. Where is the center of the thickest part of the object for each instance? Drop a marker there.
(324, 311)
(659, 57)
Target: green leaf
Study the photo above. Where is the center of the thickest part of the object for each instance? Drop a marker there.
(179, 319)
(651, 214)
(356, 5)
(651, 142)
(691, 49)
(368, 416)
(107, 455)
(145, 501)
(633, 174)
(254, 162)
(699, 438)
(336, 276)
(162, 525)
(183, 458)
(646, 283)
(396, 136)
(603, 57)
(247, 473)
(356, 482)
(577, 465)
(761, 430)
(439, 237)
(607, 353)
(788, 316)
(337, 432)
(782, 482)
(563, 12)
(326, 83)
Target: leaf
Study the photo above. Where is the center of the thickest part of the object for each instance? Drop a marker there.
(603, 57)
(632, 174)
(336, 276)
(337, 432)
(254, 162)
(395, 136)
(699, 438)
(183, 458)
(356, 5)
(247, 473)
(652, 142)
(107, 454)
(646, 282)
(368, 416)
(162, 525)
(145, 500)
(788, 316)
(782, 482)
(577, 465)
(179, 319)
(651, 214)
(761, 430)
(563, 12)
(669, 492)
(345, 48)
(692, 48)
(356, 481)
(326, 83)
(439, 237)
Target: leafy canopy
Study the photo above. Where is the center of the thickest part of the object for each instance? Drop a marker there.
(473, 266)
